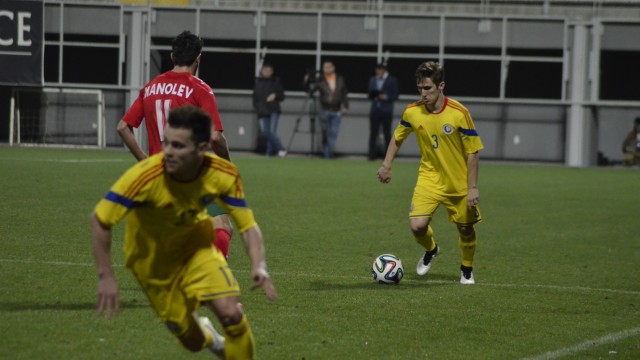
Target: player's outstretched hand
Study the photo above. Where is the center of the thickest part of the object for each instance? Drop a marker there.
(262, 279)
(384, 174)
(108, 297)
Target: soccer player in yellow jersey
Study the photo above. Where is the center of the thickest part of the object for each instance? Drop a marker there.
(448, 174)
(168, 238)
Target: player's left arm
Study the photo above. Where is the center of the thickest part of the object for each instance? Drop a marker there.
(108, 301)
(219, 145)
(254, 245)
(207, 101)
(473, 195)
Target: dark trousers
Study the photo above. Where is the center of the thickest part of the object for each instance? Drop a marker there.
(379, 119)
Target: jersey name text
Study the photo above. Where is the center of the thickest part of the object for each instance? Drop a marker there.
(168, 89)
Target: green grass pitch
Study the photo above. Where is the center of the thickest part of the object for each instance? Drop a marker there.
(556, 265)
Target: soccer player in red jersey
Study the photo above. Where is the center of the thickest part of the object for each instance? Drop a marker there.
(170, 90)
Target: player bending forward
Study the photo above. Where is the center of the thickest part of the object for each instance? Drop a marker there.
(169, 90)
(448, 175)
(168, 238)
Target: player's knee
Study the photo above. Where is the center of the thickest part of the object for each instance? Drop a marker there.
(228, 310)
(230, 318)
(419, 227)
(465, 230)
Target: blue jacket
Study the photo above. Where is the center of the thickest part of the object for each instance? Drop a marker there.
(389, 87)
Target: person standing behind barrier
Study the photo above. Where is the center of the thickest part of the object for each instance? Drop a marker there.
(631, 145)
(383, 91)
(267, 95)
(334, 103)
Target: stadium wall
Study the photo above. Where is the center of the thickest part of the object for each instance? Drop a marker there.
(511, 66)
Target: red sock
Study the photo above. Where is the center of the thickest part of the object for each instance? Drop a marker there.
(223, 238)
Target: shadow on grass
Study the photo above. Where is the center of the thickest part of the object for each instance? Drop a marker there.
(409, 282)
(27, 306)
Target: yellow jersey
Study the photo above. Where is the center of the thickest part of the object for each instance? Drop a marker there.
(445, 138)
(166, 219)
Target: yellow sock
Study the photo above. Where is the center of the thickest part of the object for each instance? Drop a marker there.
(239, 341)
(468, 246)
(426, 240)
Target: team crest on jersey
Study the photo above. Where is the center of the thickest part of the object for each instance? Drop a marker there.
(448, 129)
(206, 200)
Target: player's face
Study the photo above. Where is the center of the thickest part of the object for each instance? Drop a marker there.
(182, 157)
(429, 92)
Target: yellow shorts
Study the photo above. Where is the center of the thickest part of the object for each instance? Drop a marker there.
(425, 203)
(206, 276)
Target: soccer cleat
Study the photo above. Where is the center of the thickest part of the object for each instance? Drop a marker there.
(424, 264)
(218, 340)
(466, 275)
(282, 153)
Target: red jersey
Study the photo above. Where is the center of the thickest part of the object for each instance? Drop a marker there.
(165, 92)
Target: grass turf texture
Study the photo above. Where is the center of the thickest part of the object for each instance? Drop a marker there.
(556, 264)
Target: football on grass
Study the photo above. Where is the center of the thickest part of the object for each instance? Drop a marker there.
(387, 269)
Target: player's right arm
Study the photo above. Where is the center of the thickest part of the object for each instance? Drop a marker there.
(133, 118)
(384, 173)
(401, 133)
(126, 134)
(110, 210)
(108, 301)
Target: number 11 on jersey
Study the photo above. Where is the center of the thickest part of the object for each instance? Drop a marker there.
(162, 112)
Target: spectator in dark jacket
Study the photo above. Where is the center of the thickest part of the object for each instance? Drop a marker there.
(383, 91)
(334, 103)
(267, 95)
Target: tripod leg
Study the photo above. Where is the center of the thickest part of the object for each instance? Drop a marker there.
(295, 130)
(297, 126)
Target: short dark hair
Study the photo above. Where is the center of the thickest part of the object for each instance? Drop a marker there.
(432, 70)
(381, 66)
(185, 48)
(194, 119)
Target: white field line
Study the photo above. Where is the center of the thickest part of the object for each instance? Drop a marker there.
(313, 275)
(607, 339)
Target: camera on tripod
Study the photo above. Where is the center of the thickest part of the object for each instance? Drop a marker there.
(311, 79)
(312, 76)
